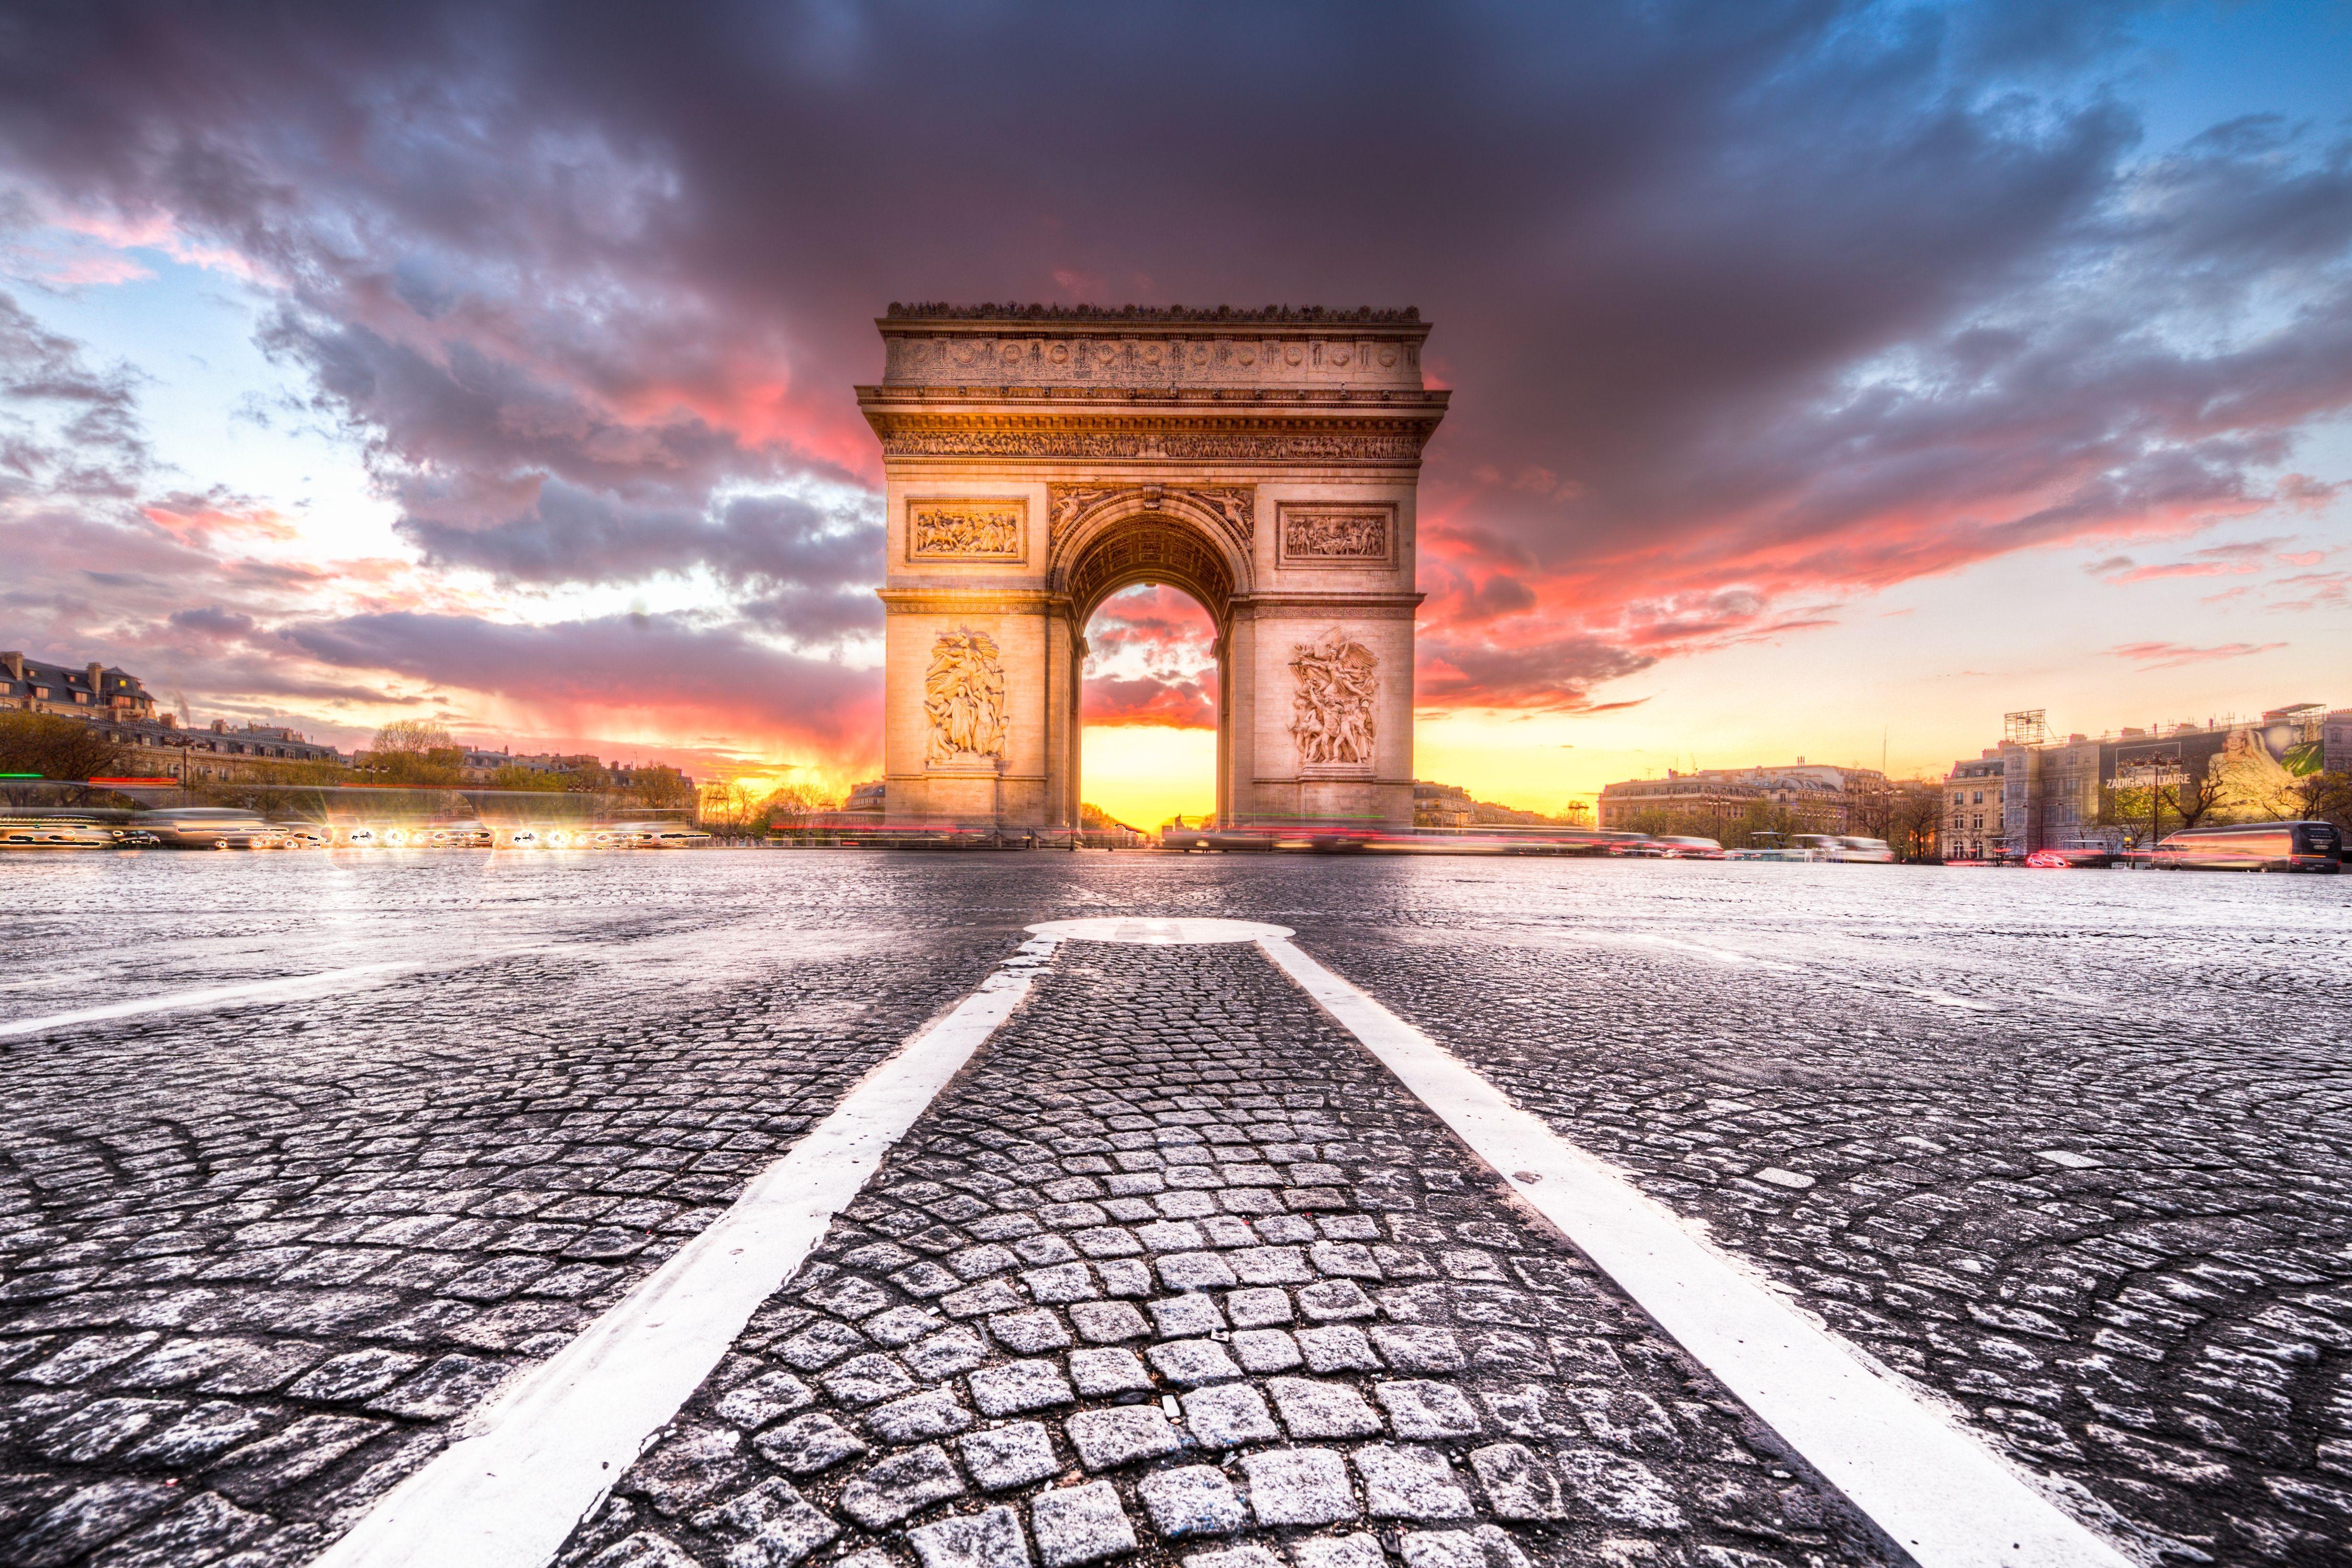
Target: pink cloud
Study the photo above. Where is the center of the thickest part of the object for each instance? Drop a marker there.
(2172, 655)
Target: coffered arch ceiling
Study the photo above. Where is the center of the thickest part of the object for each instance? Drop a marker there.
(1146, 547)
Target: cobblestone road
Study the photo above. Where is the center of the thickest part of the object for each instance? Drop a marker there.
(2069, 1150)
(1134, 1284)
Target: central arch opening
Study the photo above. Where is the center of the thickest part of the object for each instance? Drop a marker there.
(1147, 707)
(1150, 594)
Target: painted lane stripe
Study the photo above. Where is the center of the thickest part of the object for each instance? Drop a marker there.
(541, 1455)
(1949, 1501)
(289, 988)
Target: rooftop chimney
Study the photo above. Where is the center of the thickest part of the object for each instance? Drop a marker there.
(14, 664)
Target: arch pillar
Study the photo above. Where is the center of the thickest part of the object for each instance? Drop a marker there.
(1036, 461)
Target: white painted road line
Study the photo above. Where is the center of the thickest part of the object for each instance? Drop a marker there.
(1948, 1500)
(291, 989)
(541, 1455)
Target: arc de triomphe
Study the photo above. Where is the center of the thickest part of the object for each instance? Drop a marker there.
(1040, 459)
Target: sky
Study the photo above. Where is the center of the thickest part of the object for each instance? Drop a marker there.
(1828, 379)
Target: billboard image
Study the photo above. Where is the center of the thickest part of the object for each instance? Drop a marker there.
(2252, 768)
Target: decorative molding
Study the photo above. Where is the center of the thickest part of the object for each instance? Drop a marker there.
(1326, 535)
(1316, 315)
(986, 529)
(1394, 443)
(964, 695)
(1331, 707)
(1234, 506)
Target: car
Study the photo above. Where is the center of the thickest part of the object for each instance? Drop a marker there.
(208, 828)
(1679, 847)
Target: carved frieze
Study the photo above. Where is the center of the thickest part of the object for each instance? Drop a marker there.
(964, 695)
(952, 531)
(1374, 358)
(1321, 534)
(1331, 707)
(1393, 444)
(1234, 506)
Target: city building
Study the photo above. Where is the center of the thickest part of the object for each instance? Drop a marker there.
(92, 691)
(1819, 797)
(2082, 790)
(217, 755)
(1972, 818)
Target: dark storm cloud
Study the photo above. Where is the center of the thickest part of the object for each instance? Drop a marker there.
(1785, 300)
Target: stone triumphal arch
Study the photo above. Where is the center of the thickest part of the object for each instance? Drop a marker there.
(1040, 459)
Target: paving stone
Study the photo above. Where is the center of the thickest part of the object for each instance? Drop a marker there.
(1191, 1499)
(1339, 1347)
(1016, 1387)
(1485, 1547)
(1408, 1483)
(1332, 1300)
(1107, 1322)
(1257, 1307)
(763, 1398)
(1234, 1557)
(776, 1525)
(1176, 1317)
(1414, 1348)
(1228, 1415)
(1189, 1363)
(1080, 1524)
(1337, 1551)
(1010, 1456)
(902, 1325)
(1265, 1350)
(889, 1490)
(1311, 1409)
(946, 1355)
(1031, 1332)
(989, 1539)
(807, 1444)
(1120, 1435)
(1095, 1373)
(934, 1414)
(1517, 1483)
(1421, 1408)
(1298, 1486)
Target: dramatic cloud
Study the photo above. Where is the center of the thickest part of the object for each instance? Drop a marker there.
(2171, 655)
(1750, 310)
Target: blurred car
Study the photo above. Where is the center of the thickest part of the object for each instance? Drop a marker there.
(1865, 852)
(208, 828)
(1678, 847)
(53, 834)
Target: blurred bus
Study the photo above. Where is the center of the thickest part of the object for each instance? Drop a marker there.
(2253, 846)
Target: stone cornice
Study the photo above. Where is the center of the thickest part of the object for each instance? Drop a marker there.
(1124, 317)
(971, 601)
(1366, 428)
(1281, 605)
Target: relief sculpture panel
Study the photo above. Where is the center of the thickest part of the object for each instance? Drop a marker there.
(964, 693)
(1332, 710)
(966, 530)
(1312, 536)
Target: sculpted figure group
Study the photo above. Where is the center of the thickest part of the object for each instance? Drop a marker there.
(963, 693)
(1332, 708)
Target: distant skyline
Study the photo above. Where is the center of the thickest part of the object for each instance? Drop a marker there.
(1826, 377)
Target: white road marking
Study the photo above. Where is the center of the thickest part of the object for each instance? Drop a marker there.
(543, 1453)
(1176, 932)
(1949, 1501)
(291, 988)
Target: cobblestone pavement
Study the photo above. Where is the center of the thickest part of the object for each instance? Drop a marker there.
(1176, 1271)
(258, 1260)
(2070, 1150)
(2093, 1186)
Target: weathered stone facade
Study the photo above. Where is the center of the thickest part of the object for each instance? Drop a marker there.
(1039, 460)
